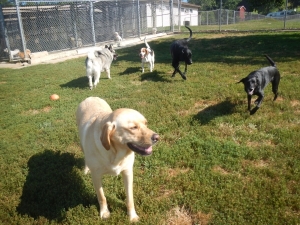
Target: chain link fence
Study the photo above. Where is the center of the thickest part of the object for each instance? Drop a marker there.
(62, 25)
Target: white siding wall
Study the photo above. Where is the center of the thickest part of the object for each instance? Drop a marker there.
(163, 16)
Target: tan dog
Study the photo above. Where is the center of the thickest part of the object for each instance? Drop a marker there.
(22, 54)
(147, 56)
(109, 139)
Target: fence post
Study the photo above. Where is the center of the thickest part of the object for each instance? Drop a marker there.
(207, 18)
(171, 16)
(234, 16)
(3, 32)
(227, 15)
(154, 15)
(21, 30)
(92, 22)
(179, 15)
(220, 12)
(139, 18)
(199, 19)
(286, 2)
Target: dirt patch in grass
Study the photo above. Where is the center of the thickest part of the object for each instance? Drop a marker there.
(182, 216)
(260, 143)
(220, 170)
(256, 163)
(175, 172)
(199, 105)
(295, 103)
(37, 111)
(164, 193)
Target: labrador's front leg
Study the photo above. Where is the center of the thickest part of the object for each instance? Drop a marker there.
(128, 183)
(97, 181)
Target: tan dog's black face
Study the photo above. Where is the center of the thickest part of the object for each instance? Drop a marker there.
(128, 130)
(143, 53)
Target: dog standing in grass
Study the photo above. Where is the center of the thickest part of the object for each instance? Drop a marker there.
(99, 61)
(147, 56)
(256, 82)
(109, 140)
(181, 52)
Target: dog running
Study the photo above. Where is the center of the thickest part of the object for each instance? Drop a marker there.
(99, 61)
(147, 56)
(256, 82)
(181, 52)
(109, 140)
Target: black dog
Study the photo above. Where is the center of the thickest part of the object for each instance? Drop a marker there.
(257, 80)
(181, 52)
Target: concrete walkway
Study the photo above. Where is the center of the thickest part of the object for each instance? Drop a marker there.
(46, 58)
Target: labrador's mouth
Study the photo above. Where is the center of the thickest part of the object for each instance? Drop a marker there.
(139, 149)
(250, 92)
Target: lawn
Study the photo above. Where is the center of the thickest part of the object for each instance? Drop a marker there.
(215, 163)
(254, 25)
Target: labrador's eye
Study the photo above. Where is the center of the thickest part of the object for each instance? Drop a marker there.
(134, 128)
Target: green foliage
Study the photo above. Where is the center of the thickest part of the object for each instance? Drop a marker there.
(215, 163)
(6, 3)
(266, 6)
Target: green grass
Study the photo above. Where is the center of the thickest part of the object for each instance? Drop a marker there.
(215, 164)
(261, 24)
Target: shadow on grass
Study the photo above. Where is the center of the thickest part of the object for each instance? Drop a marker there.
(234, 49)
(52, 186)
(131, 70)
(81, 82)
(213, 111)
(154, 76)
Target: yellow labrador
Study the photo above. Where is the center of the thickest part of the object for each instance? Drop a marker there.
(109, 139)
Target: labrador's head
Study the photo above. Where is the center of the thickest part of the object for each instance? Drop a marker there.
(128, 129)
(187, 56)
(250, 82)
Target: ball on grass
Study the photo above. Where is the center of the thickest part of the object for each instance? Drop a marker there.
(54, 97)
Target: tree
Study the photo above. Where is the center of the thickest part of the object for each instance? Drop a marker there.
(205, 4)
(6, 2)
(266, 6)
(294, 3)
(228, 4)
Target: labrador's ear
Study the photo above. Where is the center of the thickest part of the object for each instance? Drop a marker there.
(241, 81)
(107, 131)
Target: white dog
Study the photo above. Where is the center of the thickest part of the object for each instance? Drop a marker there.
(118, 38)
(12, 53)
(99, 61)
(147, 56)
(109, 140)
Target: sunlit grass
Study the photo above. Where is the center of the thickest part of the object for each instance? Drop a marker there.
(253, 25)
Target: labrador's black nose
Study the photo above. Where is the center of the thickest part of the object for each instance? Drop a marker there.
(155, 138)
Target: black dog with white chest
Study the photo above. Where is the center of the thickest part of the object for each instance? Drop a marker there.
(181, 52)
(256, 82)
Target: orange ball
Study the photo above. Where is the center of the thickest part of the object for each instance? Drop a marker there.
(54, 97)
